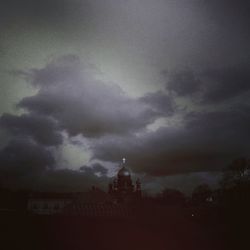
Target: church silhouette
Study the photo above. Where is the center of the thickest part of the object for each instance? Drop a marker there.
(122, 188)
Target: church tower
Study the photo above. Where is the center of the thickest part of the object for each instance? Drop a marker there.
(122, 187)
(124, 182)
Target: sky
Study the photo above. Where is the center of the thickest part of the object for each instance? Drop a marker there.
(164, 83)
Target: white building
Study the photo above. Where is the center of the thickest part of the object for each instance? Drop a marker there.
(48, 203)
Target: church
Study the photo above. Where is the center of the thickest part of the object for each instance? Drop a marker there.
(122, 193)
(122, 188)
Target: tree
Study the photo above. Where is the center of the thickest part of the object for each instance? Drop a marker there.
(236, 173)
(171, 197)
(201, 193)
(235, 187)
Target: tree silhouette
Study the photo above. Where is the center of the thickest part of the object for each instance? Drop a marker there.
(201, 193)
(171, 197)
(237, 173)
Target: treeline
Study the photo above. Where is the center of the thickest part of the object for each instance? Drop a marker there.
(233, 189)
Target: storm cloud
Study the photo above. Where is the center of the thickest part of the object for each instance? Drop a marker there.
(26, 164)
(42, 129)
(96, 168)
(211, 86)
(21, 157)
(160, 102)
(163, 83)
(183, 83)
(81, 104)
(226, 83)
(207, 142)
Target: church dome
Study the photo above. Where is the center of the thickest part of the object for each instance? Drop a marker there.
(123, 172)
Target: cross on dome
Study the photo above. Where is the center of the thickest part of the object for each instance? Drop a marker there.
(124, 160)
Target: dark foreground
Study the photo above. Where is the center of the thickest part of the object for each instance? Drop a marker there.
(174, 230)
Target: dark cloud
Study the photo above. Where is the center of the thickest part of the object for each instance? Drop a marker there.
(227, 123)
(226, 83)
(95, 168)
(61, 71)
(43, 12)
(24, 157)
(25, 164)
(164, 152)
(183, 83)
(213, 86)
(60, 180)
(70, 93)
(42, 129)
(230, 13)
(70, 98)
(160, 102)
(70, 180)
(206, 142)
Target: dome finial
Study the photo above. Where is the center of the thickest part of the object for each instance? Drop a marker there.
(123, 160)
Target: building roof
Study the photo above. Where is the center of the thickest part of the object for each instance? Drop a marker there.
(52, 196)
(123, 172)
